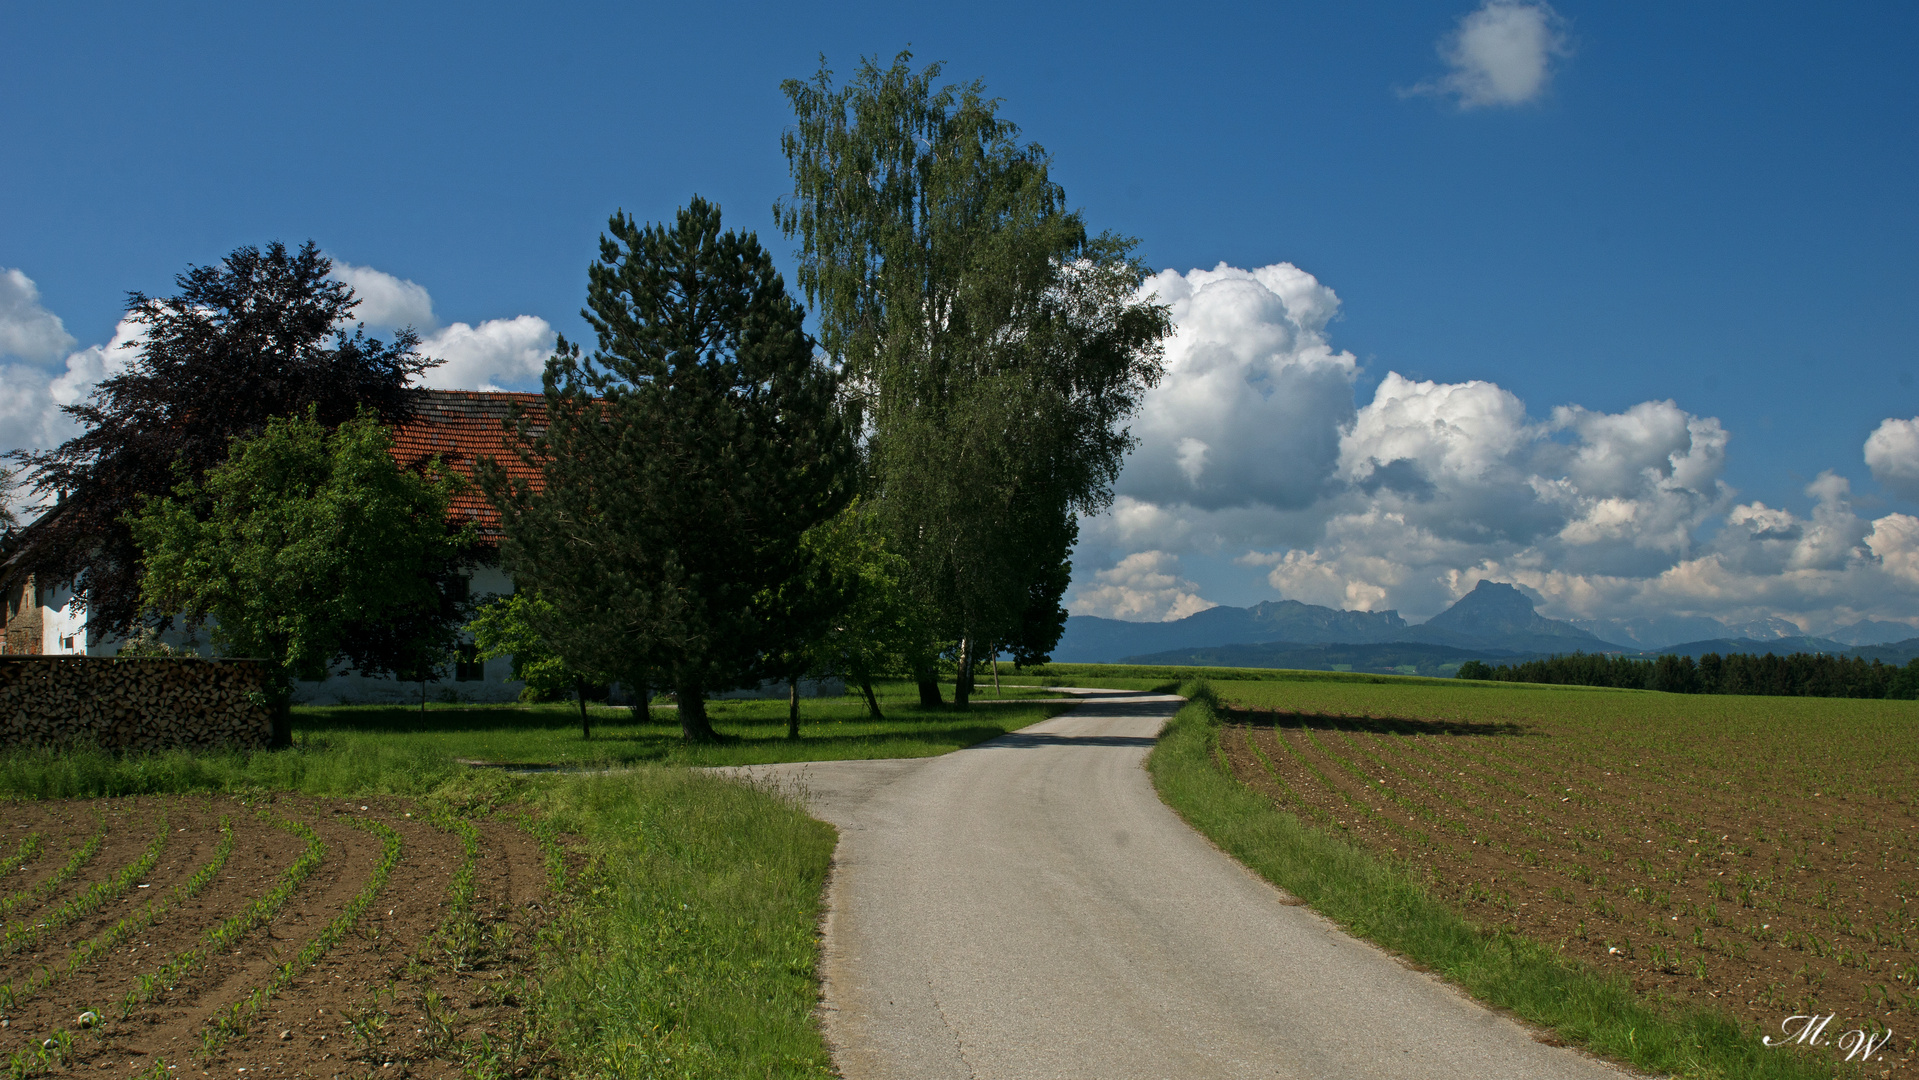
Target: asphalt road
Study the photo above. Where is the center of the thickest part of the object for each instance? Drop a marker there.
(1029, 908)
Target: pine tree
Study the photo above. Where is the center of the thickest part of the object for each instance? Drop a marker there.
(682, 462)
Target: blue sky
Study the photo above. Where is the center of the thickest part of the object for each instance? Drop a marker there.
(1707, 204)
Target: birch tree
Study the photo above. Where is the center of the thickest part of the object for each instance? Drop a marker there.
(995, 347)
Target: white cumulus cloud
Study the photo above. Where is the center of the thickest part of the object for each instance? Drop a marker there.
(490, 356)
(31, 395)
(1253, 445)
(1248, 410)
(494, 355)
(28, 330)
(385, 300)
(1502, 53)
(1144, 587)
(1892, 453)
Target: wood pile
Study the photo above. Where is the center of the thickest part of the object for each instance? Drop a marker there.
(144, 704)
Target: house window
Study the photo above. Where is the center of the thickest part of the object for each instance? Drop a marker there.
(459, 589)
(467, 665)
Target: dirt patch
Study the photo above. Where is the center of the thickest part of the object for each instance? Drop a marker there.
(1723, 882)
(237, 956)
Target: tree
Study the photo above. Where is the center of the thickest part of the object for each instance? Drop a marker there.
(849, 612)
(517, 625)
(995, 347)
(261, 335)
(681, 463)
(879, 622)
(311, 550)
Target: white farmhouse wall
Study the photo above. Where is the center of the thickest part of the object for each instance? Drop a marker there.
(497, 685)
(65, 633)
(64, 627)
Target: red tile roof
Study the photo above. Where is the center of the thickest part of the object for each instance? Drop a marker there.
(460, 427)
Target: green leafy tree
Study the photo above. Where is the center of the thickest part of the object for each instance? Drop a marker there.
(880, 627)
(311, 550)
(518, 625)
(848, 612)
(681, 463)
(996, 348)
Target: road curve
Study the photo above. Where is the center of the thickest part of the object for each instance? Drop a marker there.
(1029, 908)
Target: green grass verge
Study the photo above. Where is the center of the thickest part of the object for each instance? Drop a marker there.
(691, 950)
(1386, 904)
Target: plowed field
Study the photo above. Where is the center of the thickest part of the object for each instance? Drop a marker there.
(1769, 869)
(283, 937)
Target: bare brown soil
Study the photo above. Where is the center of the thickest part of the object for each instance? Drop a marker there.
(1726, 888)
(417, 987)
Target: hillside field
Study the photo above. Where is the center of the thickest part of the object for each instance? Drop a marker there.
(1758, 855)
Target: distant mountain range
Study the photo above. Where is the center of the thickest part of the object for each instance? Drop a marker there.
(1390, 658)
(1667, 631)
(1495, 622)
(1494, 616)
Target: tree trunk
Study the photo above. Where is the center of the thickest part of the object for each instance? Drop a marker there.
(279, 691)
(642, 705)
(863, 679)
(586, 725)
(693, 723)
(963, 681)
(793, 707)
(929, 680)
(996, 689)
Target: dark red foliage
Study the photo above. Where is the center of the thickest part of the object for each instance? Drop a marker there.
(265, 333)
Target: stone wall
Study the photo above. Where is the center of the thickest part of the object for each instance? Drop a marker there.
(146, 704)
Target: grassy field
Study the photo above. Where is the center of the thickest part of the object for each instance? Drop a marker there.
(1658, 877)
(754, 732)
(400, 750)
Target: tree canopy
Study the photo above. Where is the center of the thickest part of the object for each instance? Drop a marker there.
(996, 347)
(311, 550)
(681, 463)
(263, 334)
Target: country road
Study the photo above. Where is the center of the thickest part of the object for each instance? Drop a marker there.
(1029, 908)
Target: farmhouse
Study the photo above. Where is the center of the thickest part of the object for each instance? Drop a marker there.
(458, 426)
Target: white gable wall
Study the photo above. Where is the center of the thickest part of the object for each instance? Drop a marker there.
(64, 633)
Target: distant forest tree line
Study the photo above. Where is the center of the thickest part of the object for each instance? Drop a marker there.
(1797, 675)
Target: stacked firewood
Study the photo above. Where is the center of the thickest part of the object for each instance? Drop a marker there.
(144, 704)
